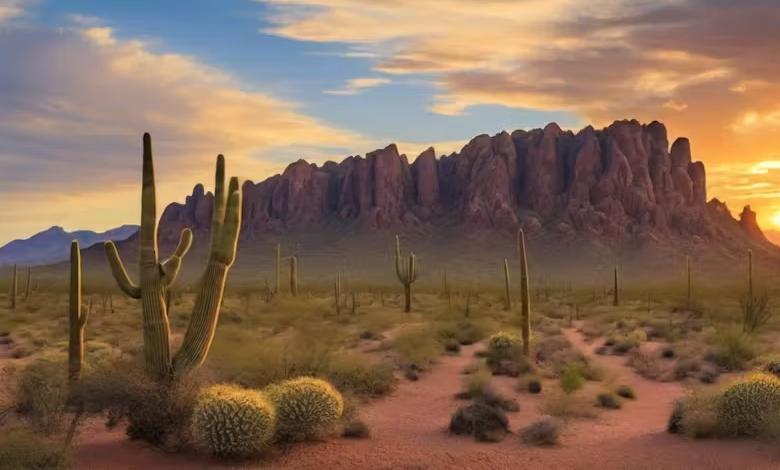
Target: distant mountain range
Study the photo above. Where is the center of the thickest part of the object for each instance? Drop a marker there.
(53, 245)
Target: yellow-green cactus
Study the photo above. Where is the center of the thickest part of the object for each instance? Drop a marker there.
(406, 271)
(304, 405)
(77, 316)
(504, 340)
(231, 421)
(751, 406)
(157, 277)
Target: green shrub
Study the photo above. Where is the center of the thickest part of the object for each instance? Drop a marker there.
(751, 406)
(732, 349)
(304, 406)
(22, 449)
(571, 381)
(361, 376)
(230, 421)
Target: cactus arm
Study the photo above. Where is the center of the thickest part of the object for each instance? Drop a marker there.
(224, 243)
(399, 269)
(120, 273)
(170, 267)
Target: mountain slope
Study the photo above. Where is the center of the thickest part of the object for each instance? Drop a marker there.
(53, 245)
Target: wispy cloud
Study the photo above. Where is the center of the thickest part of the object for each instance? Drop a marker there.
(10, 9)
(356, 85)
(673, 105)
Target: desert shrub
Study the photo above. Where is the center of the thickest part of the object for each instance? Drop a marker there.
(304, 406)
(572, 380)
(755, 311)
(504, 355)
(230, 421)
(566, 405)
(695, 415)
(625, 391)
(751, 406)
(504, 345)
(646, 364)
(484, 422)
(772, 368)
(360, 375)
(356, 429)
(417, 347)
(478, 386)
(551, 347)
(732, 349)
(546, 431)
(464, 333)
(667, 352)
(686, 368)
(451, 345)
(534, 386)
(708, 373)
(42, 393)
(157, 413)
(607, 400)
(21, 448)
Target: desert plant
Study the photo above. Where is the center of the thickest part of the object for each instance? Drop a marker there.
(304, 405)
(534, 386)
(156, 277)
(625, 391)
(525, 306)
(233, 422)
(608, 401)
(572, 380)
(751, 406)
(21, 448)
(27, 283)
(356, 429)
(615, 287)
(507, 287)
(755, 312)
(337, 291)
(12, 294)
(293, 276)
(407, 273)
(484, 422)
(732, 349)
(78, 316)
(546, 431)
(42, 393)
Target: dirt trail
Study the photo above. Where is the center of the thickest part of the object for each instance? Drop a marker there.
(409, 431)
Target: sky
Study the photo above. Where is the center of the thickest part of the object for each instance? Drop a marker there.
(267, 82)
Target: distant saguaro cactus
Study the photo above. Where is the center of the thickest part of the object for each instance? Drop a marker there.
(507, 287)
(406, 270)
(27, 284)
(615, 287)
(12, 294)
(293, 276)
(157, 277)
(337, 291)
(78, 316)
(525, 300)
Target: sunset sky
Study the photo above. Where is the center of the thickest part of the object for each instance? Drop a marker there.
(267, 82)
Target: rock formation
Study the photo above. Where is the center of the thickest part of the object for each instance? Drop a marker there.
(622, 181)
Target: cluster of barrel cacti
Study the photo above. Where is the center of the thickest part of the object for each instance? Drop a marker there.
(234, 422)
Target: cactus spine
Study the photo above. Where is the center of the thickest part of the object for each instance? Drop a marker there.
(13, 289)
(156, 277)
(507, 287)
(406, 272)
(524, 294)
(78, 316)
(278, 266)
(615, 287)
(750, 273)
(293, 276)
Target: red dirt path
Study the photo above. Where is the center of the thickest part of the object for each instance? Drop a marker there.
(409, 432)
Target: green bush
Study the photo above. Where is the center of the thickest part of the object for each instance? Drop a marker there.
(22, 449)
(360, 375)
(571, 381)
(304, 405)
(751, 407)
(230, 421)
(732, 349)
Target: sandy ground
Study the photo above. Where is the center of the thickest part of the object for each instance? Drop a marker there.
(409, 432)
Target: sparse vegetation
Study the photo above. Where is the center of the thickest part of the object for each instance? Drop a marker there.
(546, 431)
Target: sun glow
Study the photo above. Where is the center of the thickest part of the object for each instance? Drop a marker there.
(776, 219)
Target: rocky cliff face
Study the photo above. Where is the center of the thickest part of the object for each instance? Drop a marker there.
(621, 181)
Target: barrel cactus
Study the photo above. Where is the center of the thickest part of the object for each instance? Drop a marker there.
(503, 345)
(230, 421)
(751, 406)
(304, 406)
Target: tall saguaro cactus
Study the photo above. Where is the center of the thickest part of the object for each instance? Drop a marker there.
(406, 270)
(525, 300)
(157, 277)
(293, 276)
(507, 287)
(615, 287)
(78, 316)
(14, 284)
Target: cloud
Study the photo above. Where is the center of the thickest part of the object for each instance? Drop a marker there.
(356, 85)
(10, 9)
(671, 104)
(73, 107)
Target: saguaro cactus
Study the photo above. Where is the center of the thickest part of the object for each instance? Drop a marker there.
(293, 276)
(406, 270)
(337, 291)
(27, 284)
(78, 316)
(525, 300)
(157, 277)
(13, 289)
(507, 287)
(615, 287)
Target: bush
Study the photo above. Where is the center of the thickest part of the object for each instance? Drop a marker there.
(571, 381)
(751, 406)
(304, 406)
(451, 345)
(361, 376)
(626, 391)
(607, 400)
(732, 349)
(543, 432)
(695, 415)
(484, 422)
(230, 421)
(42, 393)
(504, 346)
(356, 429)
(534, 386)
(479, 387)
(667, 352)
(21, 448)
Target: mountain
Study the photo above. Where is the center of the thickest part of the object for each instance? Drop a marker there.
(53, 245)
(582, 199)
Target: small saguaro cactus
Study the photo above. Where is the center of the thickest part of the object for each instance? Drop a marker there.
(337, 291)
(507, 287)
(525, 300)
(750, 273)
(293, 276)
(406, 270)
(278, 267)
(157, 277)
(12, 294)
(615, 287)
(78, 316)
(27, 284)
